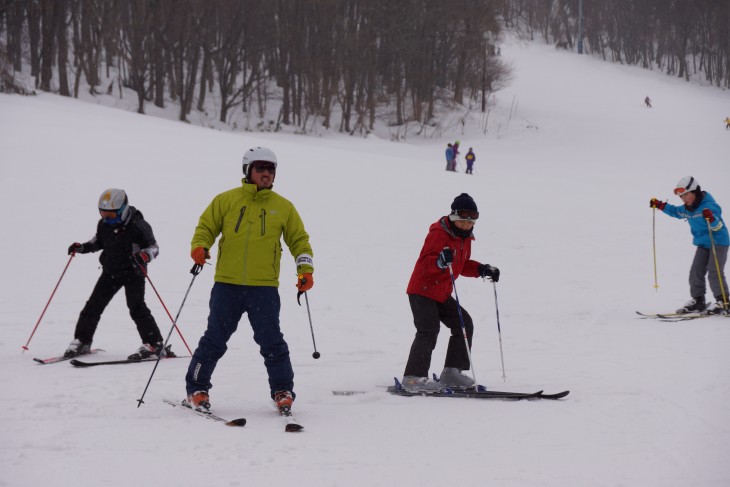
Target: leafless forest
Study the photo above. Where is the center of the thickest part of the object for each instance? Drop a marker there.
(341, 62)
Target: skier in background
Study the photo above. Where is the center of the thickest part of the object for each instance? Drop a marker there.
(128, 245)
(251, 219)
(647, 101)
(470, 158)
(449, 157)
(448, 243)
(727, 123)
(699, 209)
(456, 155)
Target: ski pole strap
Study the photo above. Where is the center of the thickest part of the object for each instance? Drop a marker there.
(299, 295)
(196, 269)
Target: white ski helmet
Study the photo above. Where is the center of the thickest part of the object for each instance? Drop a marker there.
(257, 154)
(685, 185)
(114, 199)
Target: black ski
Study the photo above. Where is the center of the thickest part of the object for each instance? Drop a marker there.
(61, 358)
(676, 317)
(79, 363)
(471, 393)
(206, 414)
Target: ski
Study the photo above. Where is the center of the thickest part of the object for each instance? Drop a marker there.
(475, 393)
(61, 358)
(79, 363)
(205, 414)
(292, 425)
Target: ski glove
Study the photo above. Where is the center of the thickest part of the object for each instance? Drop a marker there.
(199, 254)
(707, 213)
(655, 203)
(142, 258)
(76, 248)
(305, 282)
(486, 270)
(446, 257)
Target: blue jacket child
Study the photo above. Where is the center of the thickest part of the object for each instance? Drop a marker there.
(704, 215)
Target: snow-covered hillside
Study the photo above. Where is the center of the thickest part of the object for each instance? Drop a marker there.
(563, 189)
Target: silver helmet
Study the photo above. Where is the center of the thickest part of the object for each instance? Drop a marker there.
(257, 154)
(115, 200)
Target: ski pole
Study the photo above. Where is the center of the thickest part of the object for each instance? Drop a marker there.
(499, 332)
(717, 264)
(194, 271)
(316, 354)
(174, 321)
(653, 234)
(463, 328)
(25, 347)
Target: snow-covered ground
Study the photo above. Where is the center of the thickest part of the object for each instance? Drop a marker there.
(563, 188)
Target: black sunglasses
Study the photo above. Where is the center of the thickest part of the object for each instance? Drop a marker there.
(260, 168)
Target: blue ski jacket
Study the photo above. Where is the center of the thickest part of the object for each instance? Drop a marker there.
(698, 224)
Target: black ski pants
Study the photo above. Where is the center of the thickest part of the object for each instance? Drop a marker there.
(105, 289)
(428, 316)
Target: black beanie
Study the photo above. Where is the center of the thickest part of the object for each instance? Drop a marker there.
(464, 202)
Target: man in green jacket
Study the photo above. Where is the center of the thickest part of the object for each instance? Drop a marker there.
(252, 220)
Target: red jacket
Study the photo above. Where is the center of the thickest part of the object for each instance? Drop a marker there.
(430, 281)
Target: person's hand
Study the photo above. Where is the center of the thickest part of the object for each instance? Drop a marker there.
(707, 213)
(199, 254)
(446, 257)
(655, 203)
(486, 270)
(142, 258)
(75, 248)
(305, 282)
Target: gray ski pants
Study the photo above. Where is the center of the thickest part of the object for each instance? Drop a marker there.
(704, 264)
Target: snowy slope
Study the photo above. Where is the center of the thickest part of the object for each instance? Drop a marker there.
(563, 189)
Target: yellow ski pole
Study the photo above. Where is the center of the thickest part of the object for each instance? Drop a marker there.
(653, 236)
(717, 264)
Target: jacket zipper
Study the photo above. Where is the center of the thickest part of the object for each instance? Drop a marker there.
(240, 217)
(263, 221)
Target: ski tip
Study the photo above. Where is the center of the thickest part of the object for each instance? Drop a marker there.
(237, 422)
(293, 428)
(40, 361)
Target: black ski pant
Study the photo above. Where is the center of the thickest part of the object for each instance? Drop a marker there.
(428, 315)
(105, 289)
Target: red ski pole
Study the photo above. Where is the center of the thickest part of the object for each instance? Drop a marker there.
(174, 323)
(25, 347)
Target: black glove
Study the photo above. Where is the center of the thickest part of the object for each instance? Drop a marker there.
(446, 257)
(486, 270)
(76, 248)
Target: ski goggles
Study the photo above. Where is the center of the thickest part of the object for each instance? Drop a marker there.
(468, 215)
(112, 217)
(682, 191)
(260, 168)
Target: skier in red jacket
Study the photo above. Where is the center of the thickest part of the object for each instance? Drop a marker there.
(448, 243)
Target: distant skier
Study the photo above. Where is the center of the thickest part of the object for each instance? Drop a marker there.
(727, 123)
(703, 215)
(470, 158)
(128, 245)
(456, 155)
(647, 102)
(449, 157)
(448, 244)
